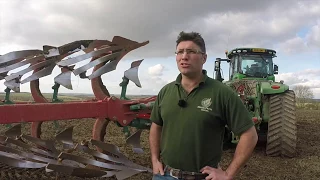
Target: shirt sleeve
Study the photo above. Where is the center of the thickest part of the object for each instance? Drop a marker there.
(237, 116)
(155, 113)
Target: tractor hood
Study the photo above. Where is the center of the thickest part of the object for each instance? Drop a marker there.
(269, 87)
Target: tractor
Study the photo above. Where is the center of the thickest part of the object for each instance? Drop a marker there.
(270, 103)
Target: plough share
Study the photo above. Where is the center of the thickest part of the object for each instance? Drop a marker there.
(31, 151)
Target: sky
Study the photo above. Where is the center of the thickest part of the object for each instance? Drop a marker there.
(291, 27)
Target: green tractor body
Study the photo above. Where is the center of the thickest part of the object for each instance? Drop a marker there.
(270, 103)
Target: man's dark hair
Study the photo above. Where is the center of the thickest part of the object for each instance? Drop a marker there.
(194, 37)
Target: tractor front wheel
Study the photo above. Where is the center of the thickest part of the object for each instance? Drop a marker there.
(282, 127)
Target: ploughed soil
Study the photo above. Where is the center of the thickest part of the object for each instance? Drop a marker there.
(306, 164)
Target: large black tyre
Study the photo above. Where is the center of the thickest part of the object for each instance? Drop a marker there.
(282, 127)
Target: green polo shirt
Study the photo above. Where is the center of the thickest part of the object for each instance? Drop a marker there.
(192, 136)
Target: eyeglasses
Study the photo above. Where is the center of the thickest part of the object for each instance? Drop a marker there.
(188, 51)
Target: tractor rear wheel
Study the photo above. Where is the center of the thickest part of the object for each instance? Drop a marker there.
(282, 127)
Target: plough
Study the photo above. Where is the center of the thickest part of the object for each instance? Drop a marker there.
(107, 160)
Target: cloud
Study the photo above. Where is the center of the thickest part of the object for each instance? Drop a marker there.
(313, 38)
(311, 41)
(311, 83)
(156, 70)
(290, 78)
(310, 72)
(316, 92)
(224, 24)
(307, 77)
(293, 45)
(150, 85)
(304, 76)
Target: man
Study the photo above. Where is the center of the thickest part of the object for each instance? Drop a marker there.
(189, 117)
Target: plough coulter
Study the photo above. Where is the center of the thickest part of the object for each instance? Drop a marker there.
(31, 151)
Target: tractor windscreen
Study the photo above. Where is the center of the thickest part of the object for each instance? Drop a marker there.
(256, 65)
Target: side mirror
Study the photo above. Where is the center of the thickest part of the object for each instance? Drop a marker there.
(275, 69)
(217, 65)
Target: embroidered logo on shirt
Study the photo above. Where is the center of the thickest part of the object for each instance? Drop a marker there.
(205, 104)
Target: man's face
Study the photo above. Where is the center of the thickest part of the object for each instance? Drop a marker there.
(190, 58)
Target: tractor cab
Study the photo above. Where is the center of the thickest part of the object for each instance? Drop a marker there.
(249, 63)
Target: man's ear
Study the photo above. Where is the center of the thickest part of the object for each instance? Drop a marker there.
(204, 58)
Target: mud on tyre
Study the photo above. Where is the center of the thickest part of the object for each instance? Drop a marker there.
(282, 126)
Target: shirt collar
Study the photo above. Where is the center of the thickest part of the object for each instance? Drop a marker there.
(204, 72)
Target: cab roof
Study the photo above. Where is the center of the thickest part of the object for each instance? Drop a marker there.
(262, 51)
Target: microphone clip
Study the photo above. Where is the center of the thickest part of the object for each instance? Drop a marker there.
(182, 103)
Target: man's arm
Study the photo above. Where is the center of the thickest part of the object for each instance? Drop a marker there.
(154, 140)
(240, 123)
(244, 149)
(155, 134)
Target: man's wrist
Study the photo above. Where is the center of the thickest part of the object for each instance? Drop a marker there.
(230, 176)
(154, 159)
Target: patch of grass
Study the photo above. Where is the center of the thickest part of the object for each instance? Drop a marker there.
(310, 106)
(27, 97)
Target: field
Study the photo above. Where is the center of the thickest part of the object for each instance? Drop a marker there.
(306, 165)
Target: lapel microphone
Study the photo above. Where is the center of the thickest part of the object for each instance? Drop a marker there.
(182, 103)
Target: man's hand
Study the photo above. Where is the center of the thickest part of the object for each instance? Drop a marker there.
(157, 167)
(215, 174)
